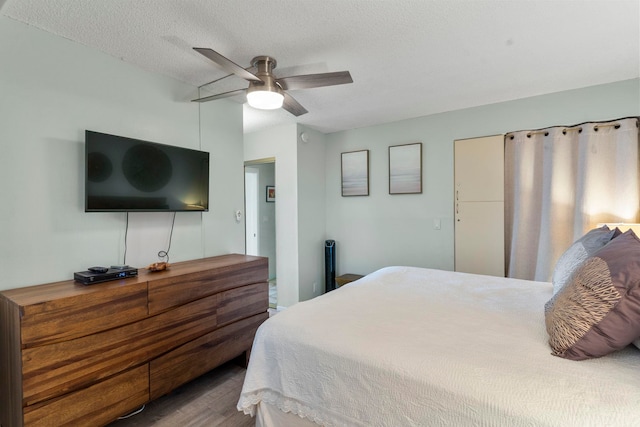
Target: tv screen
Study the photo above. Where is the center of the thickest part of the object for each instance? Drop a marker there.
(129, 175)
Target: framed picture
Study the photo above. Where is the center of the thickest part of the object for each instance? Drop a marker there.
(405, 168)
(271, 193)
(355, 173)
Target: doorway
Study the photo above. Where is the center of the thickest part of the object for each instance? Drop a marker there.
(260, 217)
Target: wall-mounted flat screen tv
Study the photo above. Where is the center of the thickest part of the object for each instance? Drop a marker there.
(129, 175)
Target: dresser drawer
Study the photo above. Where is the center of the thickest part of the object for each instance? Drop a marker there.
(96, 405)
(86, 310)
(245, 301)
(174, 287)
(201, 355)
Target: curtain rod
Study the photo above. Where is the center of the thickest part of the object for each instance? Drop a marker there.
(537, 132)
(578, 127)
(604, 125)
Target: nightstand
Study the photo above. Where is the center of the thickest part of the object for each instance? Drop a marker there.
(346, 278)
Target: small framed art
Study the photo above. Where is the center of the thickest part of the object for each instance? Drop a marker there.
(271, 193)
(355, 173)
(405, 168)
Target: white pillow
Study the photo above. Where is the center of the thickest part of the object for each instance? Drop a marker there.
(578, 253)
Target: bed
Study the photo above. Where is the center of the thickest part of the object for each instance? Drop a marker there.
(407, 346)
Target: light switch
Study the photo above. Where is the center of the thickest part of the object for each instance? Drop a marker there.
(436, 224)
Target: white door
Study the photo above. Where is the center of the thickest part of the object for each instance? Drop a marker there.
(479, 205)
(479, 169)
(479, 238)
(251, 210)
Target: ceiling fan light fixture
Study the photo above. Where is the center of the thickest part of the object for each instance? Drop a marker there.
(265, 99)
(266, 91)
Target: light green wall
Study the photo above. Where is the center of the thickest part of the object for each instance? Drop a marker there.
(381, 229)
(300, 207)
(222, 136)
(311, 212)
(267, 216)
(280, 143)
(51, 90)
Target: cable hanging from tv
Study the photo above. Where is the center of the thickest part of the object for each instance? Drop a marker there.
(163, 256)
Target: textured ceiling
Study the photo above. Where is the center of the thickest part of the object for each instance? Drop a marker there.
(408, 58)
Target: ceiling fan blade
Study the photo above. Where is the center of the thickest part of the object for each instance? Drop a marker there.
(220, 95)
(293, 106)
(226, 64)
(309, 81)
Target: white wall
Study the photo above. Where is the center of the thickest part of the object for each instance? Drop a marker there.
(382, 229)
(53, 89)
(280, 142)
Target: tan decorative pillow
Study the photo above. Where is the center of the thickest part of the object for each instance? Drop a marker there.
(598, 311)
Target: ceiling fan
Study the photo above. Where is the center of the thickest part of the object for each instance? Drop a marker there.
(266, 91)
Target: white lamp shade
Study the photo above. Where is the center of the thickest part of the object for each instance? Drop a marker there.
(623, 226)
(265, 100)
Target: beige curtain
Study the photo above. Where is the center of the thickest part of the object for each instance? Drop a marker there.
(562, 181)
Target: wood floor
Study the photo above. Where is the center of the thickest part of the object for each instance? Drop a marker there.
(209, 400)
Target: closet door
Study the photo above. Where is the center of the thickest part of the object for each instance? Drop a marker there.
(479, 205)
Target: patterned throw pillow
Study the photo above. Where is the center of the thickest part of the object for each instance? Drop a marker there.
(578, 252)
(598, 311)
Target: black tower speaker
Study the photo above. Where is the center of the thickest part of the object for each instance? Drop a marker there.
(329, 265)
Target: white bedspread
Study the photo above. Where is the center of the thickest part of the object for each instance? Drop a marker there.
(416, 347)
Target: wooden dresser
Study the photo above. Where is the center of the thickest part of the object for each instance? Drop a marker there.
(84, 355)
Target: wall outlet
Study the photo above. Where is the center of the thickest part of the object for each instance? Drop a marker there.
(315, 287)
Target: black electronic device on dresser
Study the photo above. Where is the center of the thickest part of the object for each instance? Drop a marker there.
(104, 274)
